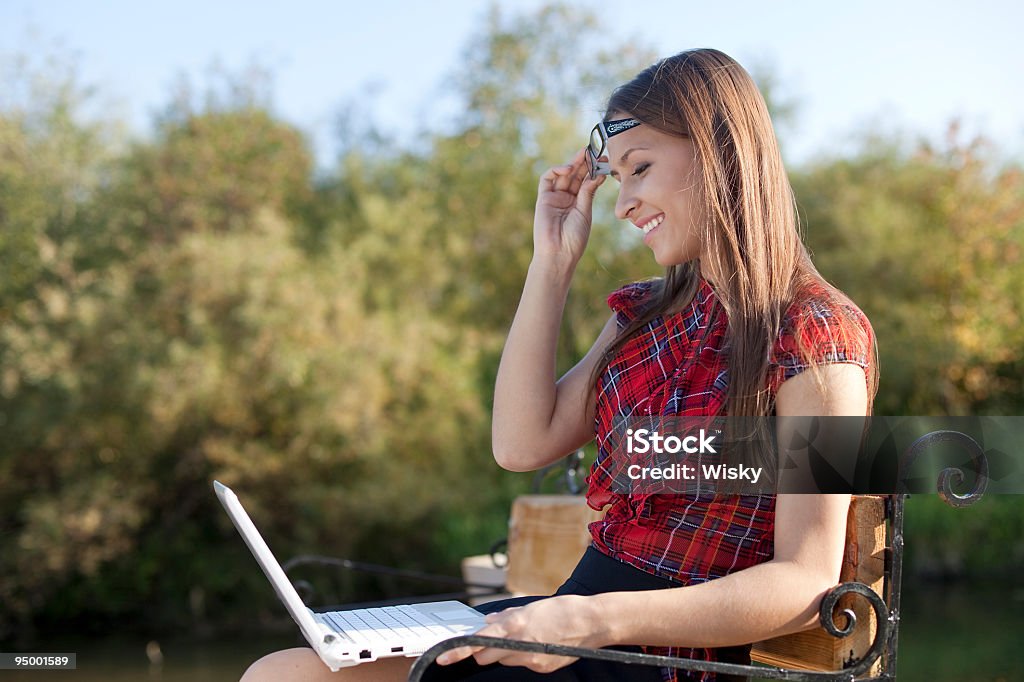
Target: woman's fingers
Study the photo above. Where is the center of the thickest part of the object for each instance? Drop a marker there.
(554, 179)
(494, 628)
(566, 178)
(542, 663)
(589, 187)
(456, 655)
(517, 623)
(498, 616)
(564, 207)
(489, 630)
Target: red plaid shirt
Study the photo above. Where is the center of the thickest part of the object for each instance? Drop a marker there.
(677, 365)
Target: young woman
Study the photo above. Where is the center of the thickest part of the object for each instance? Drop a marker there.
(730, 329)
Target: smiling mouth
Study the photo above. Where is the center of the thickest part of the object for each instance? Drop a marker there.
(652, 224)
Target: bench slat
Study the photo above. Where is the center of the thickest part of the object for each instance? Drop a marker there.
(547, 535)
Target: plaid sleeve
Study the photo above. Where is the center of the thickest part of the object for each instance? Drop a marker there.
(820, 332)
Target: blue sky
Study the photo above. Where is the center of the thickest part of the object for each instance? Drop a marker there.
(888, 66)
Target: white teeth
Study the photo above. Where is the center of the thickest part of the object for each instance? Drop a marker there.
(653, 224)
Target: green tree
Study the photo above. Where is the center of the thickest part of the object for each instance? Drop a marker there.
(52, 160)
(203, 305)
(186, 328)
(929, 241)
(210, 170)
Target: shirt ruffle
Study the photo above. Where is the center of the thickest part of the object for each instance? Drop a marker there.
(631, 300)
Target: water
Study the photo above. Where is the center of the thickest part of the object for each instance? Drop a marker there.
(960, 633)
(124, 659)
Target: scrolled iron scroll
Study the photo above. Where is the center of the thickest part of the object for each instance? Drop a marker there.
(951, 476)
(827, 615)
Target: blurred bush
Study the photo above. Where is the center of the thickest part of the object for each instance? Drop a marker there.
(204, 304)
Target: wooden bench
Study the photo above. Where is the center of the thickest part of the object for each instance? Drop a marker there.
(548, 534)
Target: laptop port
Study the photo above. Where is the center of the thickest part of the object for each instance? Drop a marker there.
(396, 649)
(365, 653)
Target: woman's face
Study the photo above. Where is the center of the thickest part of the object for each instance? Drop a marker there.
(659, 191)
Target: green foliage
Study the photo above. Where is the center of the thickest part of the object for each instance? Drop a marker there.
(49, 162)
(200, 305)
(212, 171)
(204, 308)
(982, 540)
(930, 243)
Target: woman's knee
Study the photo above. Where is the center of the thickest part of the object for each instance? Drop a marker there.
(302, 664)
(290, 664)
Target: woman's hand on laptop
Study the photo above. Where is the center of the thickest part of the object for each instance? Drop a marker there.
(570, 620)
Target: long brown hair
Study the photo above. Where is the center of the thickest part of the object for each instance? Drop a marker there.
(752, 232)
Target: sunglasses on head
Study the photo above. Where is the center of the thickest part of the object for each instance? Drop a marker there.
(599, 143)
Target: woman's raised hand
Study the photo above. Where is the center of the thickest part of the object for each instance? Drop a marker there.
(561, 223)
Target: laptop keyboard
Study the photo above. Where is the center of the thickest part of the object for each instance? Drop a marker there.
(387, 624)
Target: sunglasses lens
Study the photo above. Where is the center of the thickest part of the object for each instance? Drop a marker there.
(595, 149)
(596, 142)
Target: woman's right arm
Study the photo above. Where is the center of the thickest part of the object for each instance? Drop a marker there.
(537, 419)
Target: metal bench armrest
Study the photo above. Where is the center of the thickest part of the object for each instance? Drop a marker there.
(826, 616)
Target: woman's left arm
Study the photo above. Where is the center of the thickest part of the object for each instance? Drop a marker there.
(774, 598)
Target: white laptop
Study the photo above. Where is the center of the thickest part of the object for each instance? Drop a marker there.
(346, 638)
